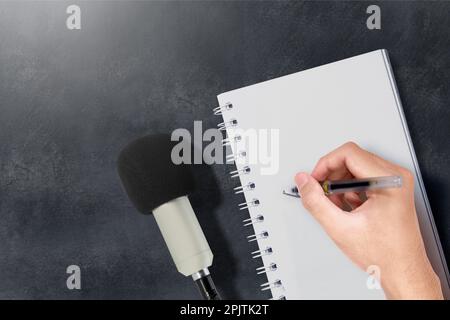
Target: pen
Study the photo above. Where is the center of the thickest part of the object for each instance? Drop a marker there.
(354, 185)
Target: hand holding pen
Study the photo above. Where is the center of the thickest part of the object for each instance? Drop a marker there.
(378, 230)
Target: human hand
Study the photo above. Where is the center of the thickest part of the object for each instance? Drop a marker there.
(378, 228)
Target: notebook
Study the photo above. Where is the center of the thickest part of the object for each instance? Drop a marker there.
(313, 112)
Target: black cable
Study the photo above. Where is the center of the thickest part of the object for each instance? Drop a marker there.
(207, 288)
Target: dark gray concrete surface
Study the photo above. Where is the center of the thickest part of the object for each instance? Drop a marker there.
(70, 100)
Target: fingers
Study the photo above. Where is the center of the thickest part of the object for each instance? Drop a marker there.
(317, 203)
(351, 161)
(352, 199)
(358, 162)
(338, 199)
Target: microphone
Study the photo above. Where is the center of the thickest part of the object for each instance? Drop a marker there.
(155, 184)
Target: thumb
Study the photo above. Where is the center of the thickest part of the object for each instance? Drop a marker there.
(317, 203)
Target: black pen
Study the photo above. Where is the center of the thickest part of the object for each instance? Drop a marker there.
(354, 185)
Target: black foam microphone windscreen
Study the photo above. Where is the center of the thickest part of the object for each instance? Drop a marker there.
(148, 174)
(155, 184)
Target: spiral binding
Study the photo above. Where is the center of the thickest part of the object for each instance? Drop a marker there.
(229, 141)
(245, 205)
(251, 186)
(269, 285)
(234, 158)
(263, 252)
(219, 110)
(237, 173)
(254, 237)
(225, 125)
(251, 221)
(264, 269)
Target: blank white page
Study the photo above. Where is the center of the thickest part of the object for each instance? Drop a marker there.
(315, 111)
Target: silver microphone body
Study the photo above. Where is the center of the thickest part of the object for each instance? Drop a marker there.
(186, 242)
(183, 235)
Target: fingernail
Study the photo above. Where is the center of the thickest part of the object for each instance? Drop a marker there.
(301, 179)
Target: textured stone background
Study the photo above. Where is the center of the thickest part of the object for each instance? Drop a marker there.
(69, 100)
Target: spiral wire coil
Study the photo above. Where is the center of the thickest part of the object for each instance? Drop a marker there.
(249, 187)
